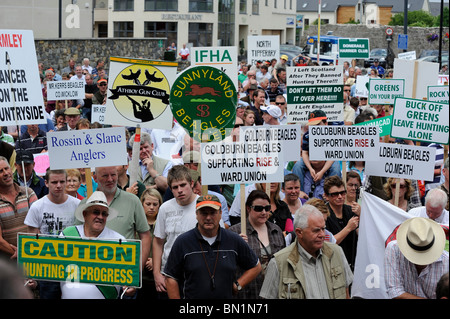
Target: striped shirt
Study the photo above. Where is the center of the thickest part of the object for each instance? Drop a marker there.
(12, 215)
(401, 275)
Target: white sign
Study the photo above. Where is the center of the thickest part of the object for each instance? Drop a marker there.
(343, 143)
(314, 87)
(420, 120)
(438, 93)
(87, 148)
(65, 90)
(98, 113)
(241, 162)
(361, 86)
(403, 161)
(411, 55)
(384, 91)
(21, 100)
(263, 48)
(223, 58)
(138, 93)
(418, 75)
(442, 79)
(289, 135)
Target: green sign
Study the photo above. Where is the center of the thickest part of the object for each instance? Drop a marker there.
(384, 124)
(353, 48)
(80, 260)
(203, 100)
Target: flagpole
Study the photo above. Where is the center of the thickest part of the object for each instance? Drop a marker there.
(318, 33)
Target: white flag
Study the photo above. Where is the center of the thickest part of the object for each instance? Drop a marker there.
(379, 220)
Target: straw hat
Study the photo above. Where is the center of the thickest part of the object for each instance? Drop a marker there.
(97, 198)
(421, 240)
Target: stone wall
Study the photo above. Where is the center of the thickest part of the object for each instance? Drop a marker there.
(417, 40)
(56, 53)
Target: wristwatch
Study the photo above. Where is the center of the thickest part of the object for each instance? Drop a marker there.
(239, 287)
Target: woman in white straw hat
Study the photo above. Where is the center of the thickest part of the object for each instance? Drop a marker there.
(416, 260)
(94, 214)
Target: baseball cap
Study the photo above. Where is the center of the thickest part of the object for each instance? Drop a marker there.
(24, 156)
(316, 116)
(284, 57)
(208, 201)
(272, 110)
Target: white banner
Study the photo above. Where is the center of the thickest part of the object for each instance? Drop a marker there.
(438, 93)
(21, 99)
(98, 113)
(403, 161)
(87, 148)
(343, 143)
(377, 223)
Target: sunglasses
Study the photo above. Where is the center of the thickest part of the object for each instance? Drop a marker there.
(102, 84)
(347, 90)
(280, 103)
(260, 208)
(336, 194)
(96, 212)
(402, 186)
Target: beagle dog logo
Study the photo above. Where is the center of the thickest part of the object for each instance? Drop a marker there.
(140, 93)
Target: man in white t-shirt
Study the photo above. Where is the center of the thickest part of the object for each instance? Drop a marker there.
(50, 215)
(55, 211)
(175, 217)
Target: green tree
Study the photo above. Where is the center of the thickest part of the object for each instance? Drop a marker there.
(417, 18)
(445, 20)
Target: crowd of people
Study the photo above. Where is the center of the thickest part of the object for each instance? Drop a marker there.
(298, 238)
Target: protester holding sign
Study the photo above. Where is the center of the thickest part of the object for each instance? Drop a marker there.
(94, 214)
(406, 190)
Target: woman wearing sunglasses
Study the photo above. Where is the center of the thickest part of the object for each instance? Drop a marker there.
(263, 237)
(406, 190)
(342, 222)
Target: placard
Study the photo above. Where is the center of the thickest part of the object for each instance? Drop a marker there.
(263, 48)
(362, 86)
(343, 143)
(384, 124)
(438, 93)
(384, 91)
(87, 148)
(411, 55)
(139, 93)
(223, 58)
(241, 162)
(420, 120)
(315, 87)
(78, 260)
(203, 100)
(21, 100)
(403, 161)
(65, 90)
(98, 113)
(354, 48)
(289, 135)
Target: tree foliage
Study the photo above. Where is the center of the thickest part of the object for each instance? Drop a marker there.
(421, 18)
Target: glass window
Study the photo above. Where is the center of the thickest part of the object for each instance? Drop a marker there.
(123, 5)
(123, 29)
(161, 30)
(242, 6)
(200, 34)
(226, 19)
(201, 5)
(255, 7)
(161, 5)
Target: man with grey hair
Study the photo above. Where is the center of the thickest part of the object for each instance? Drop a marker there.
(310, 268)
(153, 170)
(434, 208)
